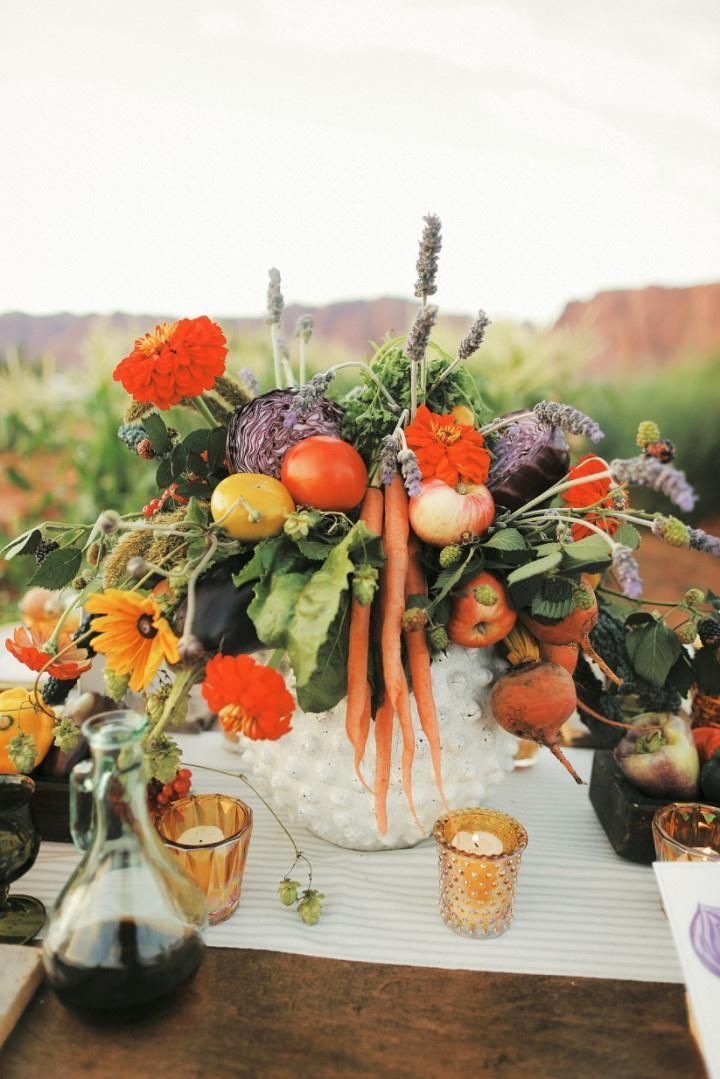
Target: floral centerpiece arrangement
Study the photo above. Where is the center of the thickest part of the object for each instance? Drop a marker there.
(306, 553)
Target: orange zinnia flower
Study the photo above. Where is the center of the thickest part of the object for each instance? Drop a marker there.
(27, 645)
(180, 359)
(133, 634)
(248, 697)
(447, 450)
(595, 493)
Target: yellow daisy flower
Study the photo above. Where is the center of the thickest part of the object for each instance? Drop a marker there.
(133, 634)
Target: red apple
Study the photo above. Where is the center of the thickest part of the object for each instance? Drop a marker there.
(478, 620)
(441, 514)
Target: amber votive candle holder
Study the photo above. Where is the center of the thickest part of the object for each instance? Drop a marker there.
(479, 852)
(687, 832)
(209, 834)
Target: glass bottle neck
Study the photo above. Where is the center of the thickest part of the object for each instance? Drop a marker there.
(120, 792)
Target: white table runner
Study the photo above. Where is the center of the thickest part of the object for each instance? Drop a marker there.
(580, 910)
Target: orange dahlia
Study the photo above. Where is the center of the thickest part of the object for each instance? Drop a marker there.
(180, 359)
(447, 450)
(28, 646)
(247, 697)
(595, 493)
(133, 634)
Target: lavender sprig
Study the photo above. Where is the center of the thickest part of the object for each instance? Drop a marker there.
(248, 379)
(627, 572)
(307, 396)
(303, 331)
(427, 262)
(410, 469)
(420, 331)
(275, 301)
(469, 345)
(664, 478)
(388, 459)
(568, 419)
(704, 541)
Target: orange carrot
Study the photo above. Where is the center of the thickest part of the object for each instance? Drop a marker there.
(396, 531)
(383, 754)
(362, 736)
(358, 689)
(419, 662)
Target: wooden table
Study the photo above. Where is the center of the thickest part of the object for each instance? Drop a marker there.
(268, 1014)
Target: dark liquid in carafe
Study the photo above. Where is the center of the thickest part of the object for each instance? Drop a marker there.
(126, 966)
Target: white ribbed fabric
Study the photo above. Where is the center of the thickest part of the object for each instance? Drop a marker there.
(580, 910)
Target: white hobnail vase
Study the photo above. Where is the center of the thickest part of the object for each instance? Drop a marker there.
(309, 779)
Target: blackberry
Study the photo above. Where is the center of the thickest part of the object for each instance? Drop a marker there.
(43, 549)
(57, 690)
(709, 632)
(663, 450)
(82, 629)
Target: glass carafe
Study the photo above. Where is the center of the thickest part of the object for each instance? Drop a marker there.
(127, 928)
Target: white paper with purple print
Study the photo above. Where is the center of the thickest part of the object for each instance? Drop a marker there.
(691, 897)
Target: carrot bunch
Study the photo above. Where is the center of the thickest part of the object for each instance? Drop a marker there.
(402, 576)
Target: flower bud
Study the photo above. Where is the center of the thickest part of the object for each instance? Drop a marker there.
(439, 638)
(108, 522)
(693, 596)
(486, 595)
(450, 555)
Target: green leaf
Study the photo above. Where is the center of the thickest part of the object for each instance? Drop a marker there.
(178, 461)
(274, 604)
(627, 536)
(448, 578)
(196, 513)
(58, 568)
(507, 539)
(196, 464)
(193, 489)
(197, 441)
(157, 433)
(25, 544)
(555, 599)
(315, 550)
(277, 554)
(216, 448)
(328, 684)
(653, 649)
(590, 549)
(318, 604)
(163, 475)
(534, 569)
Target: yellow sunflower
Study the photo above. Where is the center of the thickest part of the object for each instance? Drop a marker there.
(133, 634)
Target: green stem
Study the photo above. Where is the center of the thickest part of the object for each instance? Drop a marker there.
(184, 681)
(191, 586)
(244, 779)
(275, 353)
(368, 370)
(200, 406)
(563, 485)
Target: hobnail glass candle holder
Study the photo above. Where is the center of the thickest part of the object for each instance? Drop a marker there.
(687, 832)
(477, 888)
(209, 834)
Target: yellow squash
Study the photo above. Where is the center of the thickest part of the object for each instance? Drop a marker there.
(20, 715)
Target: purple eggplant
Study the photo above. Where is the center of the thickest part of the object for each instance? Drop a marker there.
(528, 458)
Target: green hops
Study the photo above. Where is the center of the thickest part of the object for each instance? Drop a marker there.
(298, 524)
(686, 633)
(66, 734)
(450, 555)
(22, 751)
(288, 891)
(364, 584)
(486, 595)
(310, 906)
(584, 598)
(673, 531)
(414, 618)
(164, 758)
(116, 684)
(438, 638)
(693, 596)
(647, 432)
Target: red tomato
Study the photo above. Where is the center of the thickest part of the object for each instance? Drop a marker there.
(325, 472)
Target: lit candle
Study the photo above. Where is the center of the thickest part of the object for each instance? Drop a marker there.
(201, 835)
(477, 843)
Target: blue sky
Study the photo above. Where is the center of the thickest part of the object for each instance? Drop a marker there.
(160, 156)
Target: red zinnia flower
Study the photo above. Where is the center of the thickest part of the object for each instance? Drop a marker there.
(447, 450)
(27, 646)
(180, 359)
(247, 697)
(595, 493)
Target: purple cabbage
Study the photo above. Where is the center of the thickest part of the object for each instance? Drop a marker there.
(261, 432)
(529, 457)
